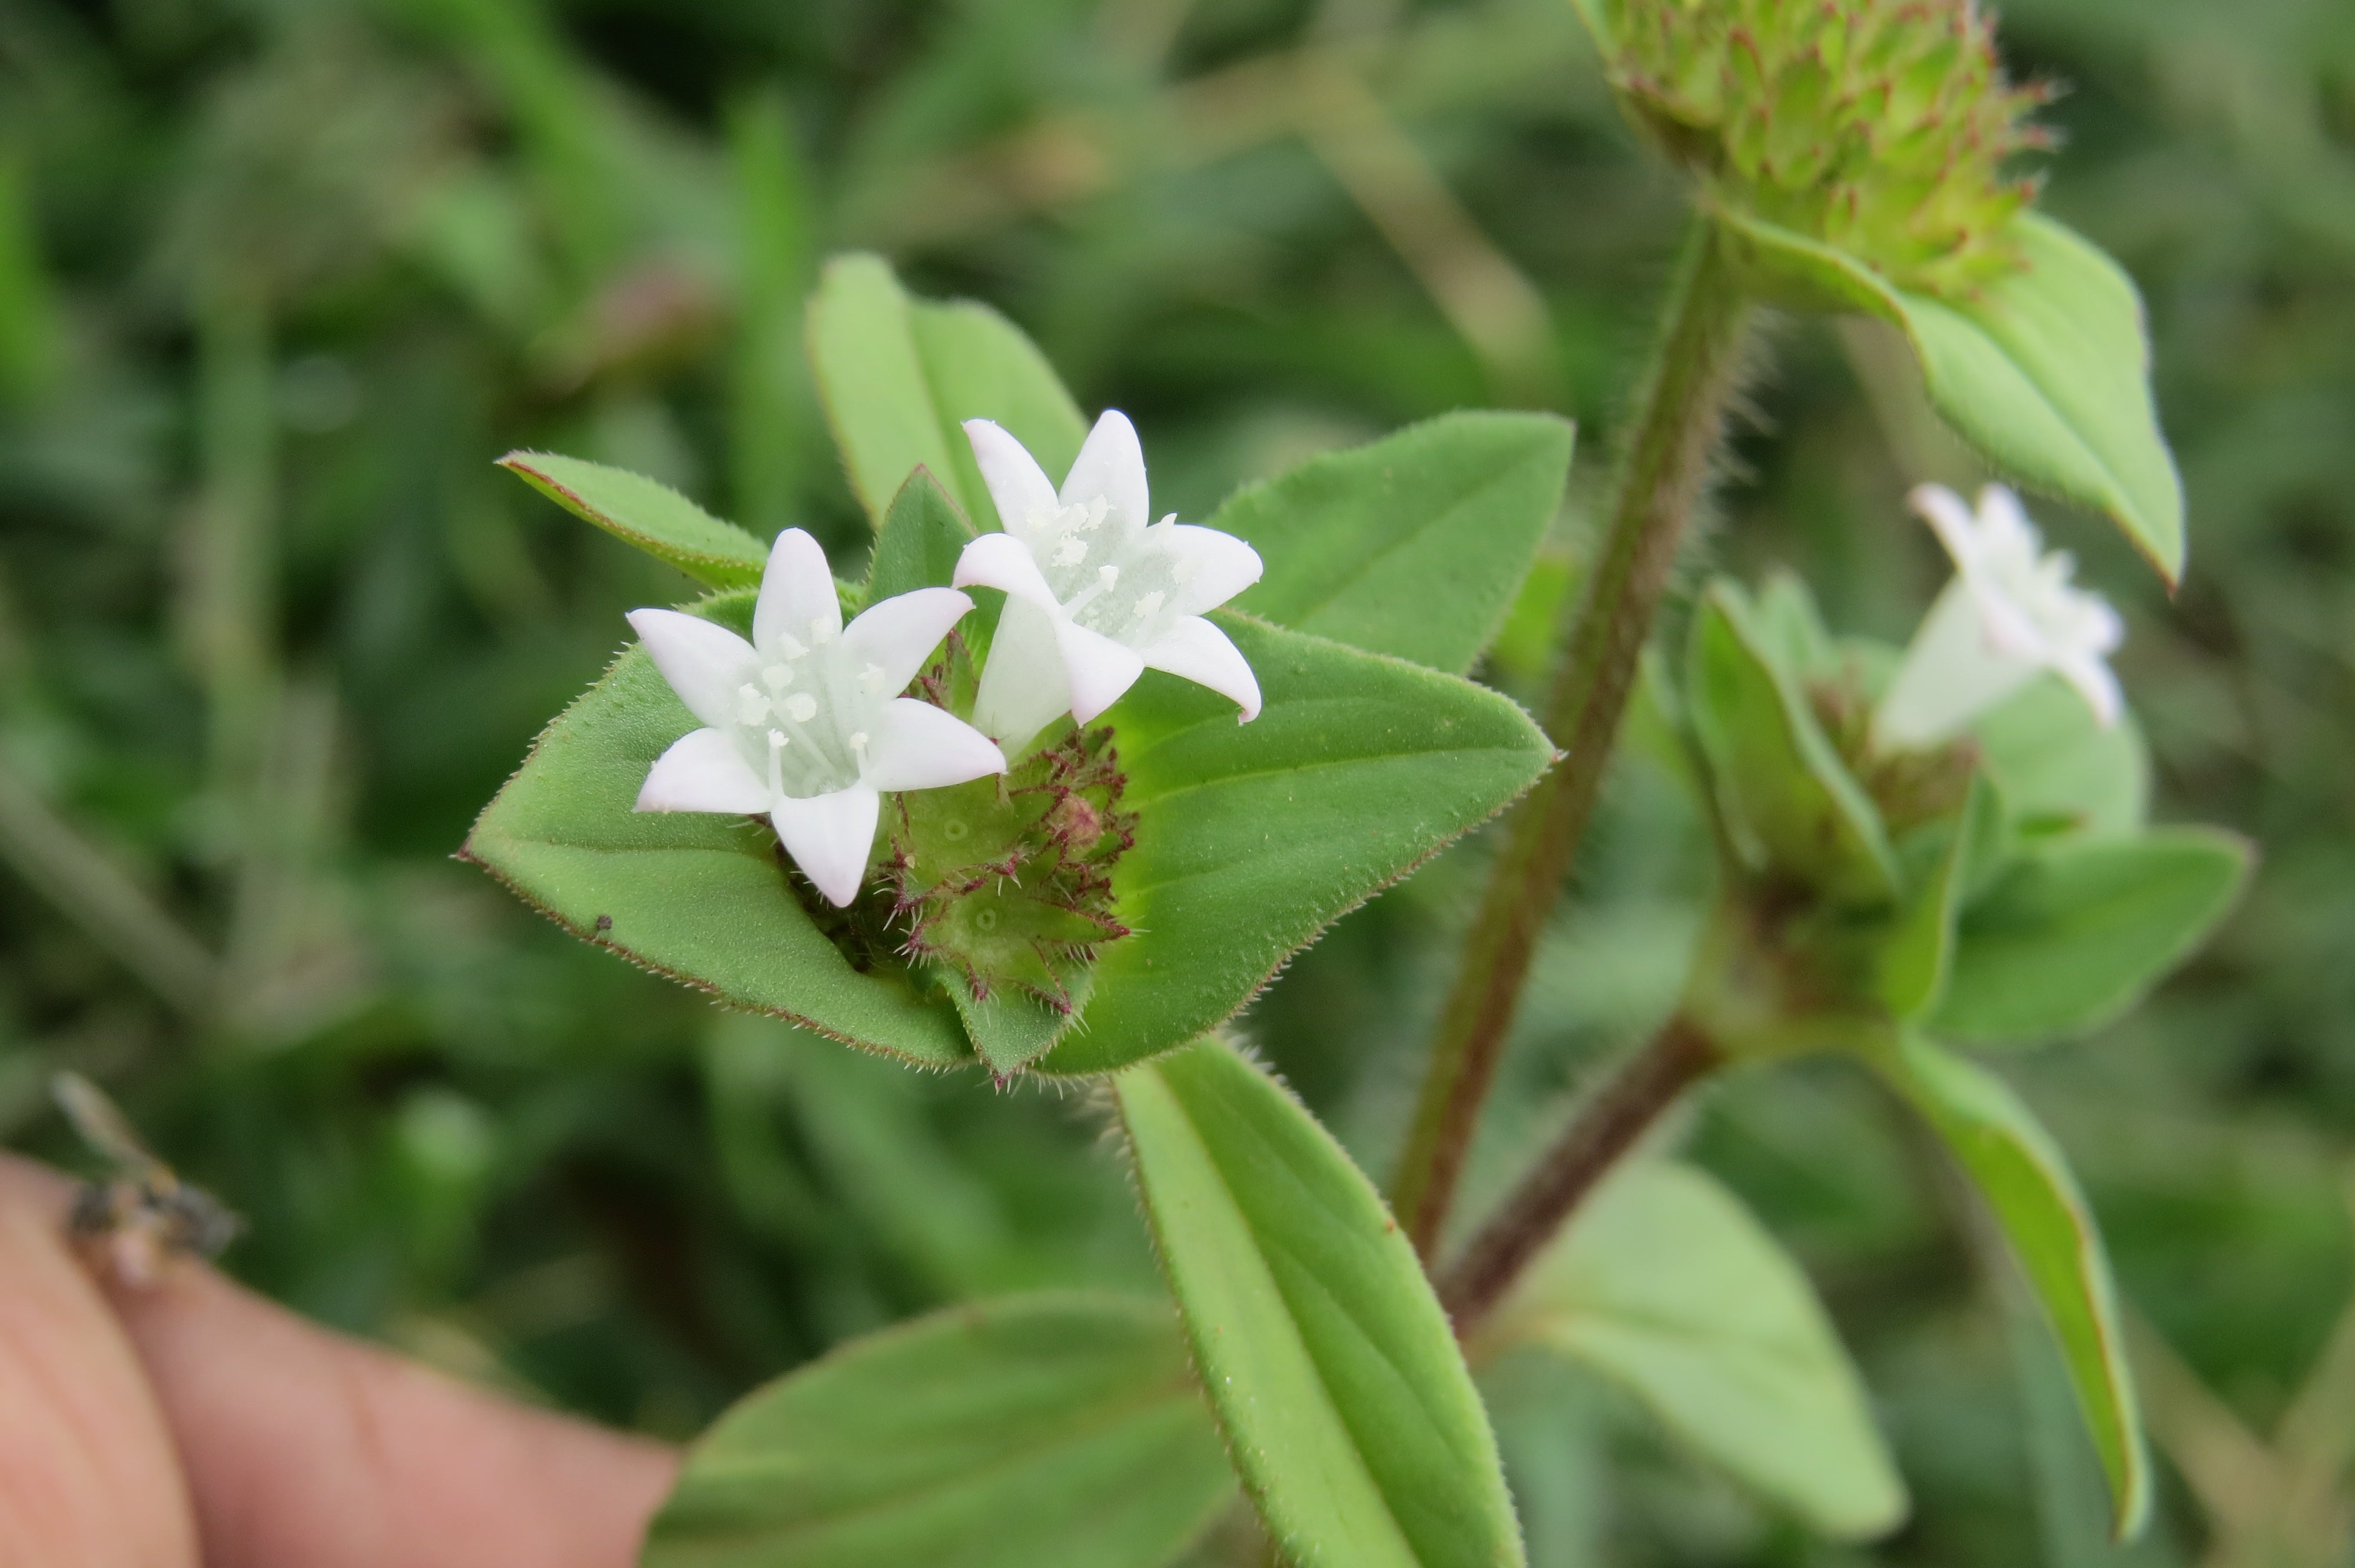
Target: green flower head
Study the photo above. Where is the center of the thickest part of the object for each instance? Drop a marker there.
(1883, 127)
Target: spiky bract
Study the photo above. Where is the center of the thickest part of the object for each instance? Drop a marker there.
(1883, 127)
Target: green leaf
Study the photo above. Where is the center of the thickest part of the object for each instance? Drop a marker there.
(1410, 546)
(922, 536)
(1666, 1285)
(898, 377)
(2073, 936)
(2046, 371)
(700, 898)
(1251, 839)
(1788, 802)
(1014, 1029)
(1919, 957)
(1793, 631)
(2061, 770)
(1033, 1432)
(1346, 1404)
(649, 514)
(2013, 1162)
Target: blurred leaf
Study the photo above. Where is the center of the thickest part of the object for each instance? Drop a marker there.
(645, 513)
(1792, 629)
(1666, 1285)
(1919, 957)
(2071, 938)
(2027, 1185)
(1031, 1431)
(922, 536)
(2062, 770)
(1253, 838)
(1346, 1404)
(2047, 371)
(1790, 805)
(898, 377)
(1411, 545)
(702, 898)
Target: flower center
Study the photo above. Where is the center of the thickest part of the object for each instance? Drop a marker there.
(802, 745)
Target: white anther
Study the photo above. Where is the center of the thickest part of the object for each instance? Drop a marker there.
(752, 707)
(1150, 604)
(858, 740)
(801, 708)
(1070, 552)
(777, 740)
(1109, 575)
(820, 632)
(778, 677)
(873, 679)
(789, 647)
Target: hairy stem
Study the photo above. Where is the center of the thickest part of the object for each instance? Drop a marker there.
(1679, 419)
(1605, 1128)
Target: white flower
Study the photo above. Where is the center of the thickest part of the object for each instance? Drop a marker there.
(1096, 595)
(2009, 613)
(804, 724)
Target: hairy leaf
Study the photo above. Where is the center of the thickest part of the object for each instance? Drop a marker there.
(1413, 544)
(1666, 1285)
(2071, 938)
(648, 513)
(1045, 1431)
(2013, 1162)
(2046, 370)
(898, 377)
(1251, 839)
(1346, 1404)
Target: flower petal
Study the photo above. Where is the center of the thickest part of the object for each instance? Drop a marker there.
(919, 747)
(1098, 669)
(829, 837)
(703, 771)
(898, 635)
(1111, 464)
(1003, 561)
(1017, 486)
(1196, 651)
(2094, 682)
(1216, 567)
(1951, 519)
(1023, 685)
(704, 663)
(796, 590)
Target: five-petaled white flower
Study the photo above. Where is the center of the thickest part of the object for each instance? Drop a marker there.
(2010, 612)
(1096, 592)
(804, 724)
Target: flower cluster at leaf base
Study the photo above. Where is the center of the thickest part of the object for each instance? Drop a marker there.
(995, 876)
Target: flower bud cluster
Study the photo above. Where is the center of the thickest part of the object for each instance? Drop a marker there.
(1881, 127)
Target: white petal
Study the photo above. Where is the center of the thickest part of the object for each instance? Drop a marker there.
(1199, 651)
(1111, 464)
(1022, 686)
(2095, 682)
(704, 663)
(1098, 668)
(1003, 561)
(1217, 567)
(797, 590)
(919, 747)
(829, 837)
(703, 771)
(898, 635)
(1950, 675)
(2005, 622)
(1950, 518)
(1018, 487)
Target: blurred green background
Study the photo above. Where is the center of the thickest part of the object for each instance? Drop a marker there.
(280, 278)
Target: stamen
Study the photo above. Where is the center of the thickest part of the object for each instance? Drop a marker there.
(1070, 552)
(778, 677)
(1150, 604)
(1186, 568)
(1110, 575)
(752, 707)
(873, 679)
(789, 647)
(801, 708)
(820, 632)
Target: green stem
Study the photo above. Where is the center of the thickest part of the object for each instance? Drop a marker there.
(1679, 419)
(1605, 1128)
